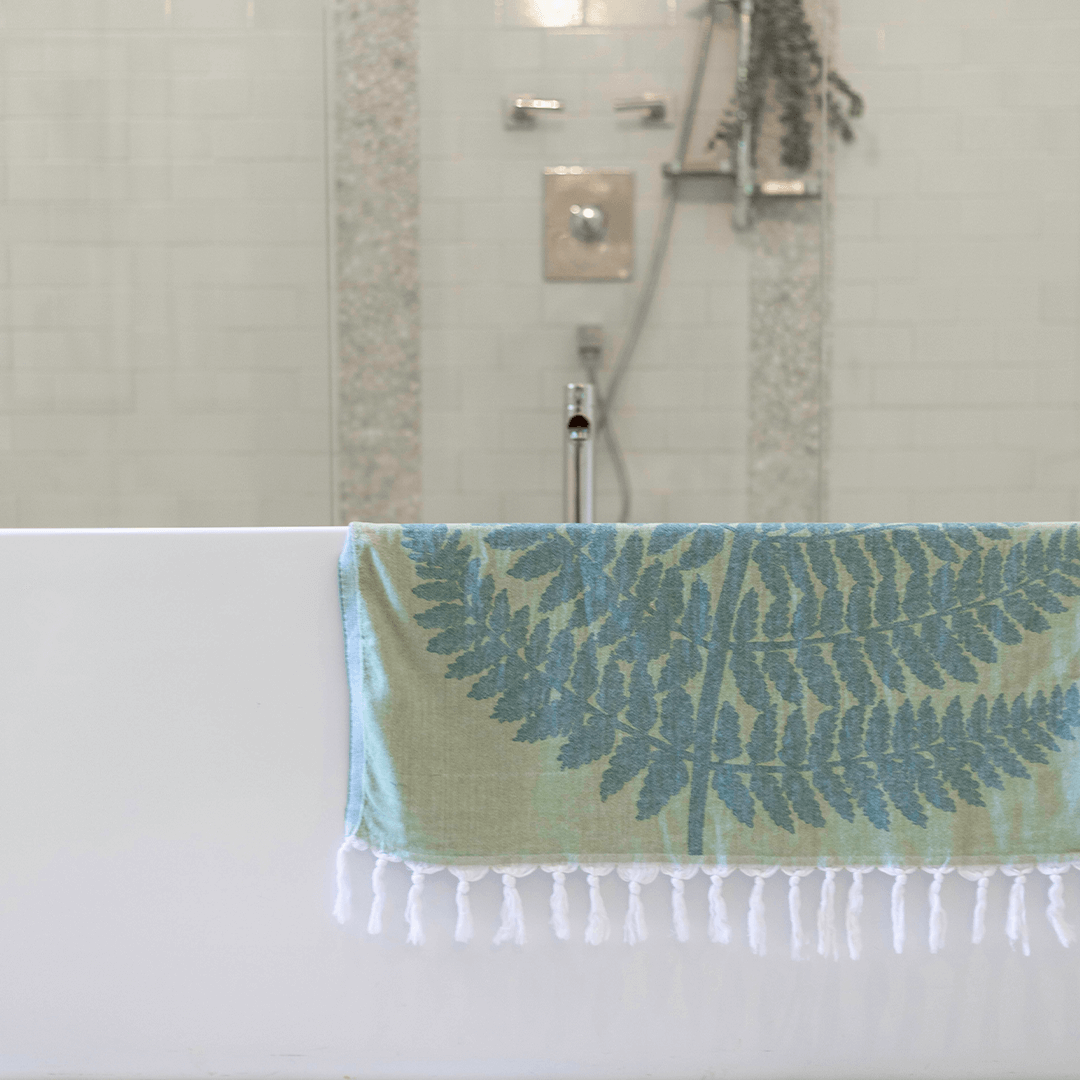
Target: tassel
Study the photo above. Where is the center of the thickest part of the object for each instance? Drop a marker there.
(513, 914)
(343, 901)
(463, 931)
(1016, 927)
(378, 892)
(719, 927)
(854, 910)
(412, 910)
(636, 875)
(413, 905)
(937, 911)
(899, 875)
(798, 939)
(560, 902)
(755, 920)
(1055, 910)
(981, 875)
(598, 927)
(679, 875)
(826, 918)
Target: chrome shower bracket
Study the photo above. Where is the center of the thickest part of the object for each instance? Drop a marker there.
(747, 186)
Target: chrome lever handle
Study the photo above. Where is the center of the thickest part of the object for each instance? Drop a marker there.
(519, 110)
(655, 106)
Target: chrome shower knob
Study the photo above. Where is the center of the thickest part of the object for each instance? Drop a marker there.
(588, 223)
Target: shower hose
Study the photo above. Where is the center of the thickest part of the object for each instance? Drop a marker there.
(605, 398)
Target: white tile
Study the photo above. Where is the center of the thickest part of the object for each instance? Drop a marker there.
(209, 14)
(462, 264)
(200, 95)
(581, 52)
(873, 345)
(884, 260)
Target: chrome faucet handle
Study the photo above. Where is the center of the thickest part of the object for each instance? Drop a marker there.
(655, 106)
(520, 109)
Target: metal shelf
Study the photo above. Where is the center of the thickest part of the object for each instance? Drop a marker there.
(801, 188)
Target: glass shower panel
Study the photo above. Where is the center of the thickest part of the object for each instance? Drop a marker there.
(165, 326)
(718, 414)
(956, 319)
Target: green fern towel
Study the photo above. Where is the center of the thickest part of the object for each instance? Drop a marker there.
(734, 695)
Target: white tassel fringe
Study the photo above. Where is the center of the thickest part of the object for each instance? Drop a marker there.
(1055, 910)
(854, 910)
(635, 875)
(598, 926)
(680, 924)
(826, 919)
(755, 918)
(798, 938)
(343, 900)
(937, 910)
(981, 876)
(466, 875)
(378, 891)
(560, 902)
(719, 927)
(900, 876)
(413, 904)
(513, 914)
(1016, 928)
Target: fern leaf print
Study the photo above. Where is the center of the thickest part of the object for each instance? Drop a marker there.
(791, 674)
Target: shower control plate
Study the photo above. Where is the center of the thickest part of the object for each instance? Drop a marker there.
(576, 253)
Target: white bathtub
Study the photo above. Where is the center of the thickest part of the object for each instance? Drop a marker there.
(173, 749)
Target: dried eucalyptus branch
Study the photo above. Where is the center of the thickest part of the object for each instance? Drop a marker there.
(783, 51)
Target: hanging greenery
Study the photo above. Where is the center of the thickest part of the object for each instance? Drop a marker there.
(783, 51)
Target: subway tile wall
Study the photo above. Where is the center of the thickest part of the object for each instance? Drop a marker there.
(498, 342)
(956, 375)
(164, 352)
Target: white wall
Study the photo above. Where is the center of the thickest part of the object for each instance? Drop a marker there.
(958, 263)
(499, 342)
(163, 285)
(173, 759)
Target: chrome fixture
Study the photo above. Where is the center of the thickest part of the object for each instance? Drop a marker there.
(744, 165)
(590, 347)
(741, 170)
(799, 188)
(655, 105)
(588, 223)
(578, 474)
(521, 110)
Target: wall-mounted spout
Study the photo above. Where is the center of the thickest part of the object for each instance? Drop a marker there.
(578, 438)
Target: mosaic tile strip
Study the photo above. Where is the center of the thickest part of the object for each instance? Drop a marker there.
(377, 167)
(786, 380)
(790, 253)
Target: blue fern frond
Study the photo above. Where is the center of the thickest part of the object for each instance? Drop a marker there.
(797, 685)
